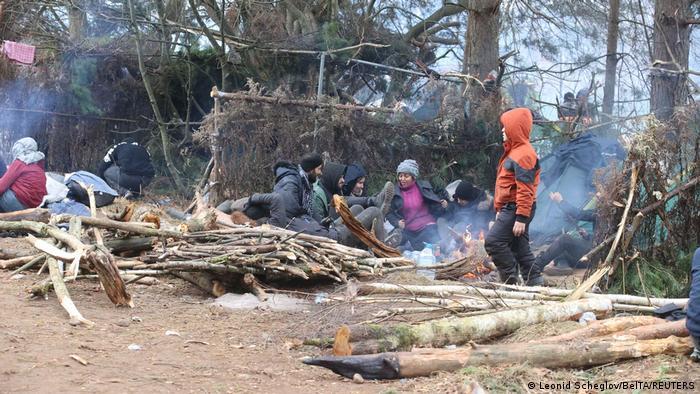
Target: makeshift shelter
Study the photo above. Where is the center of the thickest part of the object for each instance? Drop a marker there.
(569, 170)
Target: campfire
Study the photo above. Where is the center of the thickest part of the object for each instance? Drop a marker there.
(469, 261)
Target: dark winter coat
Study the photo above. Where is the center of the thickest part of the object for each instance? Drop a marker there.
(431, 196)
(293, 185)
(477, 213)
(131, 158)
(352, 174)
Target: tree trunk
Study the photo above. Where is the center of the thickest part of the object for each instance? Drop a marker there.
(600, 328)
(546, 355)
(77, 21)
(480, 58)
(443, 332)
(669, 86)
(481, 49)
(611, 60)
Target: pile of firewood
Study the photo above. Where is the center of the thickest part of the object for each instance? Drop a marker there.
(481, 313)
(268, 252)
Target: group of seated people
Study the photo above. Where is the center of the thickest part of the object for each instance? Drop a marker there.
(416, 212)
(125, 171)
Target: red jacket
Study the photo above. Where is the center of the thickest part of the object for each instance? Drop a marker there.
(519, 167)
(28, 181)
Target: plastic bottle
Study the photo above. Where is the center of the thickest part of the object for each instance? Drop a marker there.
(426, 258)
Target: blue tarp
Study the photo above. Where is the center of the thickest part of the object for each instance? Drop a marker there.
(569, 170)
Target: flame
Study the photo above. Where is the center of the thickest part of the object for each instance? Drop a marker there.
(470, 275)
(481, 235)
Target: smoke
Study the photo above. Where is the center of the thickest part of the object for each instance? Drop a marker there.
(24, 106)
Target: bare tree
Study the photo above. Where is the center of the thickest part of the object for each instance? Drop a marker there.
(669, 79)
(612, 56)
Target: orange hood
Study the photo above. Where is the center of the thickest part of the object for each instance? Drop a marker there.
(518, 125)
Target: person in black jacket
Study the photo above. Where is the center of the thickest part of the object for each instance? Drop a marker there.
(415, 207)
(567, 249)
(355, 178)
(293, 183)
(471, 209)
(127, 168)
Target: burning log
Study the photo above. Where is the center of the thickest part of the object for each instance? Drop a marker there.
(455, 331)
(425, 362)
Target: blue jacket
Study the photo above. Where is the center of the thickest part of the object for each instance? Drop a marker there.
(692, 321)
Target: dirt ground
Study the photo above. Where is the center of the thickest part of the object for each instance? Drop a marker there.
(216, 351)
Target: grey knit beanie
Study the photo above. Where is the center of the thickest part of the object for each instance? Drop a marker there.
(408, 166)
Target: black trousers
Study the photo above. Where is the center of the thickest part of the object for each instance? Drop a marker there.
(508, 252)
(418, 239)
(567, 248)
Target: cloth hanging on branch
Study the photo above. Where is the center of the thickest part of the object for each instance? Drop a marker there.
(20, 53)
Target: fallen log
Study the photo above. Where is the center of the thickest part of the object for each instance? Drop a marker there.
(425, 362)
(656, 331)
(253, 285)
(130, 227)
(33, 214)
(30, 264)
(523, 293)
(203, 280)
(378, 247)
(600, 328)
(456, 331)
(17, 261)
(132, 244)
(64, 299)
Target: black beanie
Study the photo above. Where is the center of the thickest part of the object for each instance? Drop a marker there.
(311, 161)
(466, 191)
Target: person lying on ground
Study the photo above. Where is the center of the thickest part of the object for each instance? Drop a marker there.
(127, 168)
(567, 249)
(23, 186)
(415, 207)
(508, 240)
(471, 209)
(692, 321)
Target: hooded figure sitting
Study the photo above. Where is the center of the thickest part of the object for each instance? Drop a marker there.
(362, 208)
(330, 183)
(355, 178)
(127, 168)
(24, 184)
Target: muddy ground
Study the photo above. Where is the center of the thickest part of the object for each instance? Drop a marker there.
(217, 351)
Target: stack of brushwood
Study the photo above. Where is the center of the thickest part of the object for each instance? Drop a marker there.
(268, 252)
(214, 260)
(389, 351)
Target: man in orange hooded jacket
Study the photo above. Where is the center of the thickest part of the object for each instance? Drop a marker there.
(508, 241)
